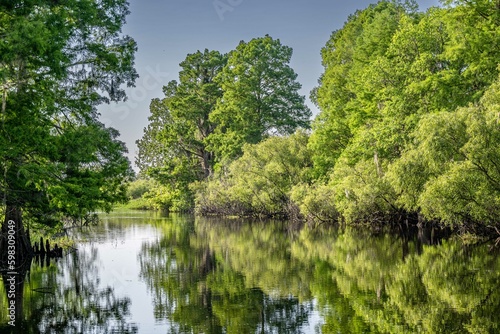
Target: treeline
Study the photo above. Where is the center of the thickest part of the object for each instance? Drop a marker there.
(408, 128)
(220, 103)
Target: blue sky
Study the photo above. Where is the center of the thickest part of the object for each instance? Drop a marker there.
(166, 31)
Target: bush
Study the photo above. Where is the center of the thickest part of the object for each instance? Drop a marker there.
(138, 188)
(259, 182)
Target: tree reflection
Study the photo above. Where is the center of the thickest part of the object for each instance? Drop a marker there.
(229, 277)
(209, 276)
(445, 287)
(67, 298)
(195, 285)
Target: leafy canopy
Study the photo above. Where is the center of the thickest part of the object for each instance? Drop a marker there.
(260, 97)
(220, 103)
(58, 61)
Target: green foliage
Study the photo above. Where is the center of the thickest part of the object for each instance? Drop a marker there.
(138, 187)
(260, 97)
(408, 123)
(360, 194)
(346, 95)
(403, 126)
(58, 61)
(172, 196)
(260, 182)
(220, 104)
(314, 202)
(94, 169)
(457, 154)
(136, 193)
(173, 149)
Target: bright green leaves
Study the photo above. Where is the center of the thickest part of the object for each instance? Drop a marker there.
(456, 174)
(439, 137)
(260, 97)
(358, 182)
(174, 149)
(476, 27)
(220, 104)
(408, 123)
(261, 180)
(403, 126)
(349, 94)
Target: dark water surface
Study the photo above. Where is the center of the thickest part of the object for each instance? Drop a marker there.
(141, 272)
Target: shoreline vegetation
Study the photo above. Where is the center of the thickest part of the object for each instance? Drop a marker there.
(408, 129)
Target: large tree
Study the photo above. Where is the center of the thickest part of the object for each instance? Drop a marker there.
(350, 91)
(173, 149)
(58, 61)
(260, 98)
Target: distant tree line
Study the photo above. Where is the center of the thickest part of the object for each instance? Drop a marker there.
(408, 125)
(221, 103)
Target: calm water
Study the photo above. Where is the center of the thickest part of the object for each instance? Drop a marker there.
(140, 272)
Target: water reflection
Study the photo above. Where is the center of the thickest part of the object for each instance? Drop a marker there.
(439, 288)
(144, 273)
(195, 285)
(66, 296)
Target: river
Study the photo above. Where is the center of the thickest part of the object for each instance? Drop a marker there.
(143, 272)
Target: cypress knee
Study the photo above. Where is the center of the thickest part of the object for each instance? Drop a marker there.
(42, 249)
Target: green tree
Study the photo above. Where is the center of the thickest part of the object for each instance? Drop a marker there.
(381, 100)
(179, 123)
(173, 149)
(353, 137)
(58, 62)
(456, 155)
(260, 97)
(346, 91)
(451, 155)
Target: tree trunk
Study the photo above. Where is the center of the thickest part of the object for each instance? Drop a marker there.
(15, 236)
(207, 163)
(16, 254)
